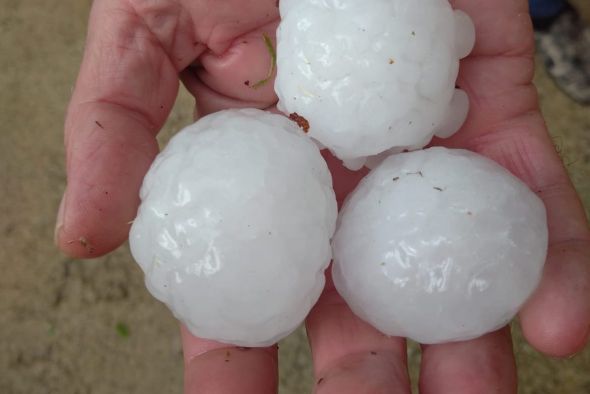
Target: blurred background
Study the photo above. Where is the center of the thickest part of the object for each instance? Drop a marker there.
(69, 326)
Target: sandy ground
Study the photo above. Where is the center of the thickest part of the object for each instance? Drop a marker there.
(71, 326)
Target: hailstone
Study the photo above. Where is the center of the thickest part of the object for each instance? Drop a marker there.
(372, 75)
(233, 232)
(439, 245)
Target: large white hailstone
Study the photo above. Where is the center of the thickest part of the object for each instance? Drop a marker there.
(233, 232)
(372, 75)
(439, 245)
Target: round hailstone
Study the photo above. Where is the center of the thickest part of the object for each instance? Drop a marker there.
(233, 232)
(439, 245)
(387, 68)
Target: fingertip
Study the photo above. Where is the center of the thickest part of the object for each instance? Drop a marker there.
(245, 71)
(556, 333)
(551, 339)
(240, 76)
(87, 245)
(556, 320)
(76, 244)
(96, 217)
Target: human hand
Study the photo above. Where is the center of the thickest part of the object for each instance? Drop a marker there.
(126, 88)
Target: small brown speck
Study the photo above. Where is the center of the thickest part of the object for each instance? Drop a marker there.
(469, 213)
(374, 353)
(300, 120)
(161, 107)
(99, 124)
(247, 83)
(391, 61)
(320, 380)
(413, 33)
(440, 189)
(83, 241)
(396, 179)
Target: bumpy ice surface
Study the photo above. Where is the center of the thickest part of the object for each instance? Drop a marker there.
(375, 74)
(439, 245)
(233, 232)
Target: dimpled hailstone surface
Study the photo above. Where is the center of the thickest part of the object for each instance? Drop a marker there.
(233, 232)
(374, 74)
(439, 245)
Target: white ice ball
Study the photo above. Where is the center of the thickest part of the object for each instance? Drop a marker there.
(372, 75)
(233, 232)
(439, 245)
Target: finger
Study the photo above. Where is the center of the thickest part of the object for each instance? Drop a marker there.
(124, 92)
(349, 355)
(209, 101)
(126, 88)
(216, 368)
(497, 75)
(502, 26)
(556, 320)
(505, 125)
(483, 365)
(241, 77)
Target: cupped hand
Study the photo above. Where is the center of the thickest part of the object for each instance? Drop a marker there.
(136, 52)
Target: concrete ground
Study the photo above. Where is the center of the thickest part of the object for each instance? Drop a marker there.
(90, 326)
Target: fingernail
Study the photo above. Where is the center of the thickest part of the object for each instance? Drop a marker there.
(59, 223)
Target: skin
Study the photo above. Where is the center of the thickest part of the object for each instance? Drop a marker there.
(136, 51)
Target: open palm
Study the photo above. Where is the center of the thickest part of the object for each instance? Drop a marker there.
(128, 81)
